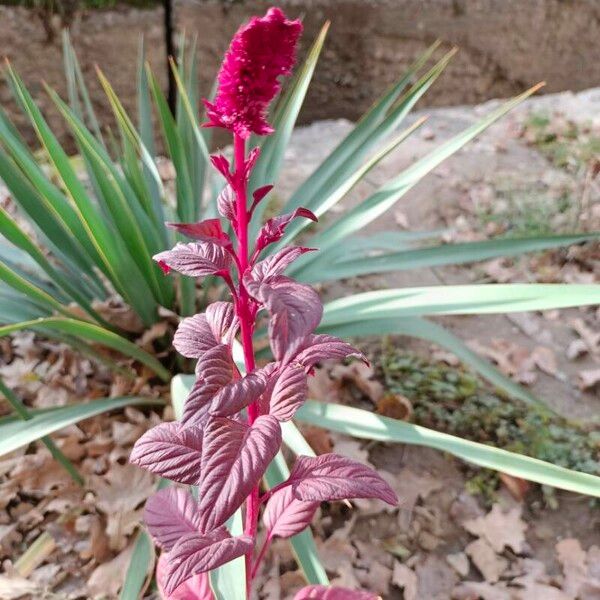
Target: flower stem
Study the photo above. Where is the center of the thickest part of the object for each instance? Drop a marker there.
(246, 320)
(261, 555)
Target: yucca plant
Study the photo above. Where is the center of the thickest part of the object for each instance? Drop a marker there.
(95, 236)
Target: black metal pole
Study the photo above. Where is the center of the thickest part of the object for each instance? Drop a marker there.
(170, 49)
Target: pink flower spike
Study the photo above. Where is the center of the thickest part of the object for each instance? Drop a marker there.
(261, 51)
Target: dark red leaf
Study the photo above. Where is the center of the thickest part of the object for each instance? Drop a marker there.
(196, 259)
(195, 553)
(285, 515)
(235, 458)
(295, 311)
(334, 477)
(214, 370)
(170, 450)
(195, 335)
(169, 515)
(274, 229)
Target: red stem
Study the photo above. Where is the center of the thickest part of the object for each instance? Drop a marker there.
(261, 555)
(246, 319)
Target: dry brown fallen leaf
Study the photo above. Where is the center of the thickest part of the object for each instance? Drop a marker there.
(435, 578)
(545, 360)
(590, 337)
(580, 569)
(411, 486)
(362, 376)
(107, 579)
(118, 494)
(517, 487)
(405, 579)
(589, 378)
(394, 406)
(475, 590)
(12, 588)
(513, 360)
(488, 563)
(459, 562)
(500, 529)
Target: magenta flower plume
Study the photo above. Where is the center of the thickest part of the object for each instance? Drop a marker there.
(261, 51)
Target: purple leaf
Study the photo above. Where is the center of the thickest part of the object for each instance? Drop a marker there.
(209, 230)
(195, 335)
(260, 193)
(235, 458)
(238, 394)
(275, 264)
(170, 450)
(221, 164)
(250, 163)
(288, 392)
(195, 553)
(226, 203)
(195, 259)
(214, 370)
(320, 347)
(334, 477)
(196, 588)
(169, 515)
(273, 230)
(322, 592)
(285, 515)
(295, 310)
(222, 320)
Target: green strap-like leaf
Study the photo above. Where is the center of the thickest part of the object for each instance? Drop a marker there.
(18, 282)
(12, 232)
(336, 193)
(114, 259)
(364, 424)
(23, 412)
(16, 433)
(459, 300)
(91, 332)
(187, 203)
(139, 568)
(43, 202)
(379, 121)
(325, 269)
(77, 88)
(130, 220)
(386, 196)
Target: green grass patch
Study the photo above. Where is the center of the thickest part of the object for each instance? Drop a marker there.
(453, 400)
